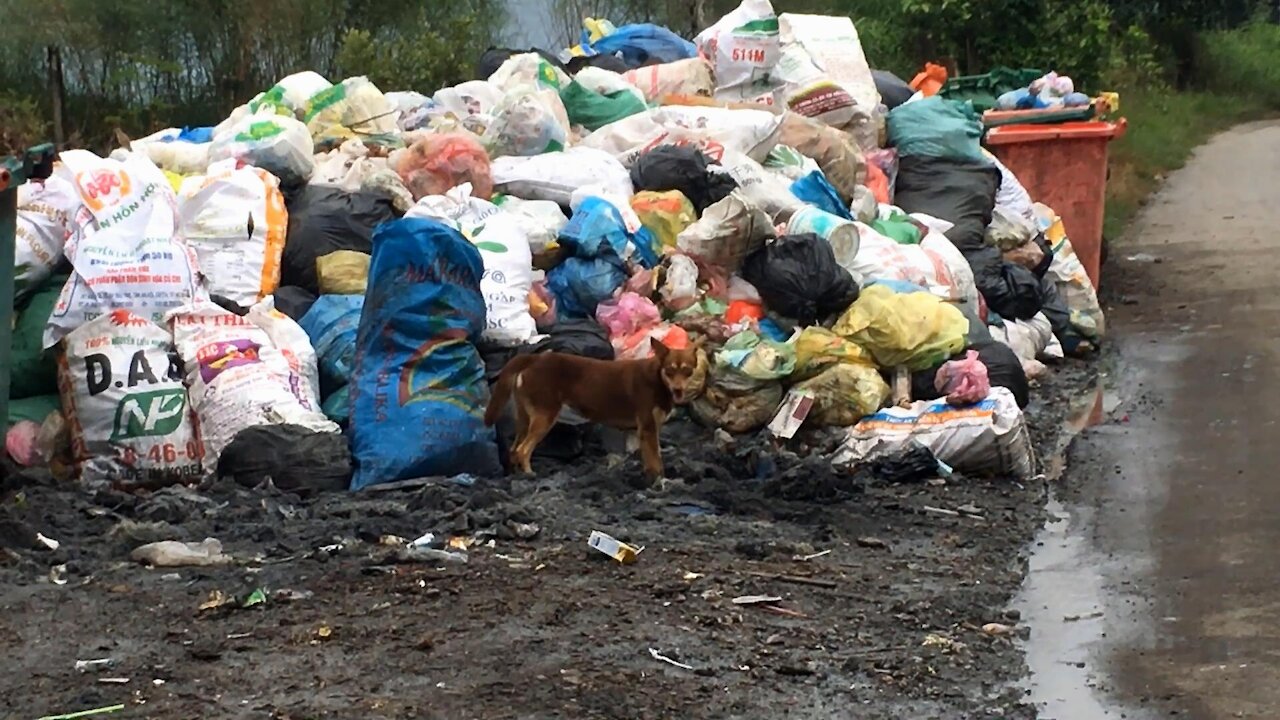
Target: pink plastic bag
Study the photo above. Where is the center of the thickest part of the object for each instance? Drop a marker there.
(627, 314)
(438, 163)
(20, 443)
(964, 381)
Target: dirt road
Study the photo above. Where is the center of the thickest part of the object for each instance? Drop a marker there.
(1163, 552)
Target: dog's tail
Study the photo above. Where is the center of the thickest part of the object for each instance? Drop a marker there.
(502, 389)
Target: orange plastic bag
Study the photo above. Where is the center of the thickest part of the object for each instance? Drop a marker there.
(930, 80)
(438, 163)
(878, 183)
(739, 309)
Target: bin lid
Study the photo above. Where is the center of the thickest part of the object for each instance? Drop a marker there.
(1093, 129)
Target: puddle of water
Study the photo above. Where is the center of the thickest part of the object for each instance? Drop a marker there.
(1064, 599)
(1064, 603)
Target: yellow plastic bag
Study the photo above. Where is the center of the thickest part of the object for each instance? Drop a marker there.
(343, 272)
(913, 329)
(818, 348)
(845, 393)
(666, 214)
(175, 180)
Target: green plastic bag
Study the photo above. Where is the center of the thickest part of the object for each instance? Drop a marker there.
(35, 371)
(937, 128)
(898, 228)
(35, 409)
(590, 109)
(756, 357)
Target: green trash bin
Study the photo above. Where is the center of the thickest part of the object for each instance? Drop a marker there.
(36, 163)
(982, 90)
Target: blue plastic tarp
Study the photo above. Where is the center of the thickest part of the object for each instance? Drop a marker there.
(643, 43)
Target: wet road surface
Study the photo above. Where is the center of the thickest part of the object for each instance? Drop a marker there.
(1155, 587)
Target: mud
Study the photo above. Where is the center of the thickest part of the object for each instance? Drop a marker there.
(888, 625)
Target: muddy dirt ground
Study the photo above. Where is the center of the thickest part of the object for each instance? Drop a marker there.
(542, 627)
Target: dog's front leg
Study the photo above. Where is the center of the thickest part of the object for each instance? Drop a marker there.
(647, 428)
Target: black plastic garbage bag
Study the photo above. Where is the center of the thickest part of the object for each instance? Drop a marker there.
(1004, 369)
(893, 90)
(1010, 290)
(296, 458)
(962, 192)
(585, 338)
(1055, 309)
(914, 464)
(492, 59)
(574, 337)
(323, 219)
(294, 301)
(683, 168)
(612, 63)
(797, 276)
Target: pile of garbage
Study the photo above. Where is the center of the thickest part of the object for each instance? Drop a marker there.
(330, 277)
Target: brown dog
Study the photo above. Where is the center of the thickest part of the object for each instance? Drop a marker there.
(625, 394)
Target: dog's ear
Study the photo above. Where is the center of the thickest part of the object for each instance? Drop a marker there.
(659, 350)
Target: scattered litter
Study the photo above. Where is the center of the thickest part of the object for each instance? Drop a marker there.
(693, 575)
(412, 554)
(58, 574)
(218, 599)
(257, 597)
(171, 553)
(946, 644)
(1144, 258)
(239, 636)
(84, 665)
(663, 658)
(85, 713)
(614, 548)
(324, 632)
(426, 540)
(114, 680)
(756, 599)
(814, 556)
(998, 629)
(1086, 616)
(48, 542)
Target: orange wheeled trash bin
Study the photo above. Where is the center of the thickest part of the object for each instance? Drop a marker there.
(1065, 167)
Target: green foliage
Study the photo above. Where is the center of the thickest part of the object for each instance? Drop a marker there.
(21, 124)
(1244, 62)
(431, 53)
(144, 66)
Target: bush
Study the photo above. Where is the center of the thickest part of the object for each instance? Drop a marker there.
(21, 125)
(1243, 62)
